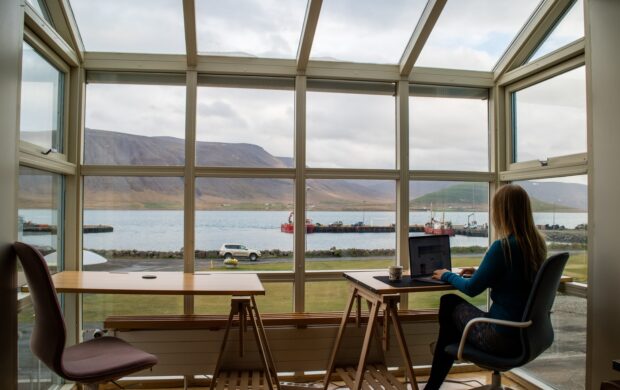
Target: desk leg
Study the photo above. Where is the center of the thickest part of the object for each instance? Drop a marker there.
(343, 324)
(220, 357)
(400, 337)
(261, 336)
(370, 329)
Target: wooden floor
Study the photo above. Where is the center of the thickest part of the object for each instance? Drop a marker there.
(455, 382)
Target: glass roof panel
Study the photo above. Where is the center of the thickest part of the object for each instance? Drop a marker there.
(474, 34)
(364, 30)
(136, 26)
(568, 30)
(261, 28)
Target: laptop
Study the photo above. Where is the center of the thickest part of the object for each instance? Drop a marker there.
(427, 254)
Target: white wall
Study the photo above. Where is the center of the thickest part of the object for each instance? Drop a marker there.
(10, 53)
(603, 59)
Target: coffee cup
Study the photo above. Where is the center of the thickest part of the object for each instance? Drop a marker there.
(395, 272)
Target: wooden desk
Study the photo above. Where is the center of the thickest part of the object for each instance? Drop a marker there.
(241, 287)
(165, 283)
(379, 296)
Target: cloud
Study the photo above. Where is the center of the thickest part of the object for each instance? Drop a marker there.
(265, 28)
(361, 31)
(149, 110)
(240, 115)
(136, 26)
(350, 130)
(474, 34)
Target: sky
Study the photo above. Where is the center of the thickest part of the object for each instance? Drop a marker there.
(343, 130)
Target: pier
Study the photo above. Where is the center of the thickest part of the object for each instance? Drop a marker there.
(35, 228)
(458, 229)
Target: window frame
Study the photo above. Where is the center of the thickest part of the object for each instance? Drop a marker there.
(562, 165)
(64, 69)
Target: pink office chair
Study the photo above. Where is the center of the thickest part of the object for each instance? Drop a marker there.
(92, 362)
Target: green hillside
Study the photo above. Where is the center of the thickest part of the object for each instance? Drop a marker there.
(474, 196)
(464, 196)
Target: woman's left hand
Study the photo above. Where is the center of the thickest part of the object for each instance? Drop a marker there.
(438, 273)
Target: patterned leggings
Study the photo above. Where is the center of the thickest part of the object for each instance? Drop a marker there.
(454, 313)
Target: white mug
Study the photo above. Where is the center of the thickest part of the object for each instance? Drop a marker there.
(395, 272)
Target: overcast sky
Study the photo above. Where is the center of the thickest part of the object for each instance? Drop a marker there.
(343, 130)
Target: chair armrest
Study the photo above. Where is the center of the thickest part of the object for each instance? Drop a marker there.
(473, 321)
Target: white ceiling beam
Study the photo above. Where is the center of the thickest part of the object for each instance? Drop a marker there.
(65, 25)
(44, 31)
(131, 62)
(550, 60)
(191, 46)
(420, 34)
(530, 36)
(307, 33)
(74, 30)
(137, 62)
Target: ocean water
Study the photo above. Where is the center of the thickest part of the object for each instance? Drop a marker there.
(162, 230)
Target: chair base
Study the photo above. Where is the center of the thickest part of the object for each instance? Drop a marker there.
(496, 383)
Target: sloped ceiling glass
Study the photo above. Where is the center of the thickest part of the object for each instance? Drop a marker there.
(40, 7)
(260, 28)
(474, 34)
(136, 26)
(366, 31)
(568, 30)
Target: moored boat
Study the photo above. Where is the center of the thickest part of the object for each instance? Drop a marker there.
(288, 227)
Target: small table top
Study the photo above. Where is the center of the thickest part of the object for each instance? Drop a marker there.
(366, 279)
(164, 283)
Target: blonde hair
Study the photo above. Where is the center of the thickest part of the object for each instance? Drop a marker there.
(512, 215)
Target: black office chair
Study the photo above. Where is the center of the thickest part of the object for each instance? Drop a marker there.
(92, 362)
(536, 332)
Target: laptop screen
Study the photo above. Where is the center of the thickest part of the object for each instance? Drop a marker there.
(428, 253)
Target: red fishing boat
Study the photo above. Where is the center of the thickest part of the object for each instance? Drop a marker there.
(288, 227)
(436, 226)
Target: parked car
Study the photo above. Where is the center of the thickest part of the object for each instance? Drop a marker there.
(237, 250)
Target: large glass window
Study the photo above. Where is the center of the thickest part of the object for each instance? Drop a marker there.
(549, 118)
(133, 223)
(458, 141)
(351, 30)
(563, 365)
(560, 207)
(262, 29)
(350, 224)
(242, 127)
(278, 298)
(242, 219)
(350, 130)
(136, 26)
(459, 209)
(128, 124)
(40, 224)
(42, 91)
(40, 213)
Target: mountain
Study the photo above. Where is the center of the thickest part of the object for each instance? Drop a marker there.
(135, 192)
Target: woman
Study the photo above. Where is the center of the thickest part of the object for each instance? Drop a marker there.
(508, 268)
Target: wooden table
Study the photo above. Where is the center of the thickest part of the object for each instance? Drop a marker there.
(242, 287)
(165, 283)
(379, 296)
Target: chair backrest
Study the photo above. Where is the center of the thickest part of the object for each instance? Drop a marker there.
(539, 336)
(49, 333)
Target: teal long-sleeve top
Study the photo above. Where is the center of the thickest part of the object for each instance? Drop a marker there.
(510, 287)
